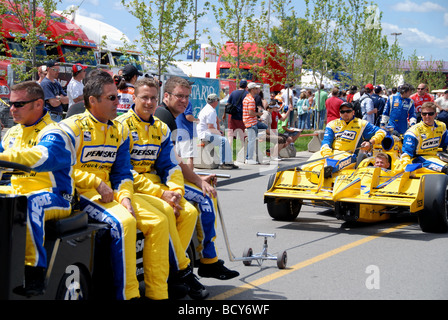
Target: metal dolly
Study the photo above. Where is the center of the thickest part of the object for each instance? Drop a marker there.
(248, 255)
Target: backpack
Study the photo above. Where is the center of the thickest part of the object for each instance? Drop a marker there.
(357, 108)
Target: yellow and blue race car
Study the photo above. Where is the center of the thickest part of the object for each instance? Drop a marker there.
(361, 192)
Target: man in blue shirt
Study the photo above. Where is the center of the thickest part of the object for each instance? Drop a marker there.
(235, 122)
(55, 96)
(399, 111)
(186, 134)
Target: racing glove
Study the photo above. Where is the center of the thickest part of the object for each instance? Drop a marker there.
(325, 152)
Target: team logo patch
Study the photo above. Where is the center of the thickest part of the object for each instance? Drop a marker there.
(144, 152)
(87, 136)
(347, 135)
(103, 154)
(11, 142)
(431, 143)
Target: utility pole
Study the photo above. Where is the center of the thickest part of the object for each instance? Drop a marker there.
(396, 34)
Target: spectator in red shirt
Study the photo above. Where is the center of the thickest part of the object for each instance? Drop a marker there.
(332, 104)
(420, 97)
(351, 93)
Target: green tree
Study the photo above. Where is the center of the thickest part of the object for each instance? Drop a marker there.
(162, 28)
(289, 37)
(325, 37)
(34, 17)
(236, 20)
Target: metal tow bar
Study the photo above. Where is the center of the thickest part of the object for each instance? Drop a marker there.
(248, 255)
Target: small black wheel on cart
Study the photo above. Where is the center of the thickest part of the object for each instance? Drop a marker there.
(282, 258)
(246, 254)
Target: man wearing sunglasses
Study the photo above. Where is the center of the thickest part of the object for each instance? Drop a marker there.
(422, 141)
(420, 97)
(104, 181)
(55, 96)
(345, 134)
(39, 144)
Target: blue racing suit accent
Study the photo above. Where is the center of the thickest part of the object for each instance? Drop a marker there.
(421, 143)
(397, 112)
(49, 187)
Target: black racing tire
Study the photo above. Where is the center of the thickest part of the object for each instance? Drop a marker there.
(282, 209)
(434, 218)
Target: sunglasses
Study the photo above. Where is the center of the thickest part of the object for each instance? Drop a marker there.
(112, 97)
(428, 113)
(20, 104)
(345, 111)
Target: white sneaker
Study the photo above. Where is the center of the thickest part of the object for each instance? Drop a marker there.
(251, 162)
(276, 159)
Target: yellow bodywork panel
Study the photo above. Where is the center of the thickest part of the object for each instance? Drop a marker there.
(374, 189)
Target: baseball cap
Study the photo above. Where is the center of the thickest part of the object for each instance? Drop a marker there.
(51, 63)
(77, 67)
(378, 89)
(130, 70)
(212, 98)
(243, 84)
(369, 86)
(252, 85)
(346, 104)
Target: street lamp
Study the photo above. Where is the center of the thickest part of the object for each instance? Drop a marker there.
(396, 34)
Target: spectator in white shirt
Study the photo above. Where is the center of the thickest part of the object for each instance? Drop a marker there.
(208, 130)
(75, 86)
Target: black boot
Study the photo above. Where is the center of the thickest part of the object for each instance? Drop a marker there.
(34, 282)
(197, 290)
(216, 270)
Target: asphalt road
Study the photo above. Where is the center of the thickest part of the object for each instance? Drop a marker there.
(327, 260)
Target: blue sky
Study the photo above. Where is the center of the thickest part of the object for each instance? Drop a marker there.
(423, 24)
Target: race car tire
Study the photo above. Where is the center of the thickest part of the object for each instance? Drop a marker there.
(433, 218)
(282, 209)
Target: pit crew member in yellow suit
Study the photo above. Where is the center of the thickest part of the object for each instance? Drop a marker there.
(342, 137)
(158, 178)
(422, 141)
(39, 144)
(104, 181)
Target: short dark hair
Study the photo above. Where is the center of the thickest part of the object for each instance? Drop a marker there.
(32, 88)
(173, 82)
(94, 86)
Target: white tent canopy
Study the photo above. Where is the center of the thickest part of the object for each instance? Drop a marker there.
(308, 82)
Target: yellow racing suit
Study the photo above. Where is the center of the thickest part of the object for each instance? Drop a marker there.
(49, 187)
(156, 170)
(342, 136)
(102, 151)
(420, 145)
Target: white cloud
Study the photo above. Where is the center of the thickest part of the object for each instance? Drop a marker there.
(89, 14)
(413, 37)
(409, 6)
